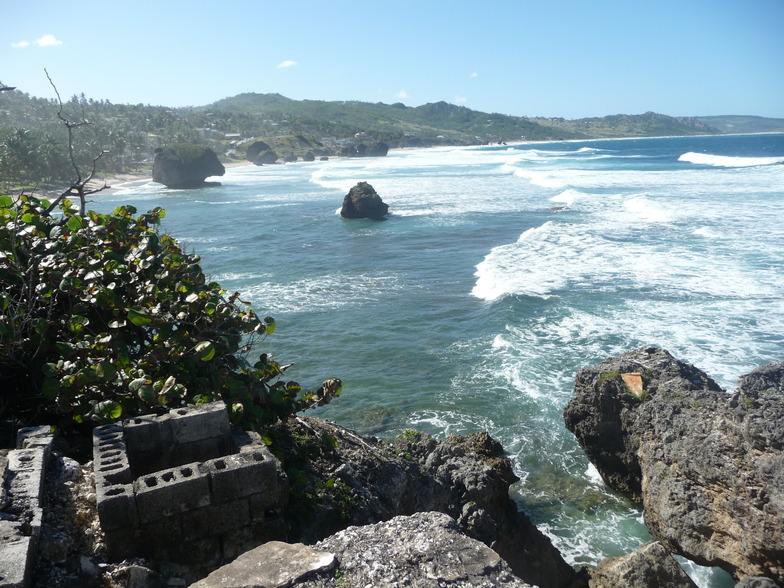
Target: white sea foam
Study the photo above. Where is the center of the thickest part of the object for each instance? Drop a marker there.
(728, 161)
(648, 211)
(569, 197)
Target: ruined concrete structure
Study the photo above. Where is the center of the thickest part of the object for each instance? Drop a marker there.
(186, 487)
(21, 512)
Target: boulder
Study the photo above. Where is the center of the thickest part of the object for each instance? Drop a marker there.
(707, 467)
(184, 165)
(256, 148)
(425, 549)
(359, 480)
(272, 565)
(650, 566)
(362, 201)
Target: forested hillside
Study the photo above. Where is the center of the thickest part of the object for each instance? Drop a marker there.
(33, 141)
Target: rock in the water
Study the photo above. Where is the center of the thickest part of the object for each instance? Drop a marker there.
(362, 201)
(650, 566)
(422, 550)
(271, 565)
(184, 165)
(708, 467)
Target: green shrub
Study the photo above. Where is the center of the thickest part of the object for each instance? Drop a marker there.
(102, 317)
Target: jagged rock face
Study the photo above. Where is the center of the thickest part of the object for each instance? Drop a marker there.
(650, 566)
(426, 549)
(362, 201)
(707, 467)
(368, 481)
(185, 166)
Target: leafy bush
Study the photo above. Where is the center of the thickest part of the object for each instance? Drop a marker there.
(103, 317)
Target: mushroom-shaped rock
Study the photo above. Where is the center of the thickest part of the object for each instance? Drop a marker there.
(183, 165)
(362, 201)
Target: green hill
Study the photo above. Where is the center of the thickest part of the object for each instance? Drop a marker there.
(741, 124)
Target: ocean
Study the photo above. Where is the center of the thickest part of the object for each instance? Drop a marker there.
(500, 272)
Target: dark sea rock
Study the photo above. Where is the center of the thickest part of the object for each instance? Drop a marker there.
(184, 165)
(362, 201)
(707, 467)
(256, 148)
(360, 481)
(650, 566)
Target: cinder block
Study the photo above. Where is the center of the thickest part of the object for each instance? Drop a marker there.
(123, 543)
(145, 433)
(16, 555)
(201, 450)
(36, 437)
(170, 491)
(116, 506)
(197, 423)
(157, 535)
(111, 464)
(216, 519)
(240, 475)
(26, 480)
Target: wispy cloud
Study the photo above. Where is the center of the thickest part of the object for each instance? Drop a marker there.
(45, 41)
(473, 74)
(287, 63)
(460, 99)
(402, 95)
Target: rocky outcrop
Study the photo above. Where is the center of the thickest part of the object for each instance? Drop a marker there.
(362, 201)
(426, 549)
(349, 480)
(707, 467)
(650, 566)
(185, 166)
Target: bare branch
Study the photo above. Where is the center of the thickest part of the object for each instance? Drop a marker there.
(79, 187)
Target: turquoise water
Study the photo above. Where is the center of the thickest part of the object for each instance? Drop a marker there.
(502, 271)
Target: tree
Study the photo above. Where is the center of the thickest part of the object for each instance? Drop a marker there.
(103, 317)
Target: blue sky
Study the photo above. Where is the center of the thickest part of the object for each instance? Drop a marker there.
(567, 58)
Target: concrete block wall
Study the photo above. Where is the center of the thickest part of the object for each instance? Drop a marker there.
(187, 488)
(21, 511)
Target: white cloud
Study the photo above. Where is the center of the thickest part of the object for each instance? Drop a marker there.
(20, 44)
(287, 63)
(47, 41)
(473, 75)
(402, 95)
(460, 99)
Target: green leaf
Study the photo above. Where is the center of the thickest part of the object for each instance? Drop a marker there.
(106, 371)
(77, 323)
(205, 350)
(270, 322)
(74, 223)
(6, 201)
(50, 388)
(108, 410)
(139, 317)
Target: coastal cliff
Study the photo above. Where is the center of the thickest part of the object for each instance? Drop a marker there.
(706, 466)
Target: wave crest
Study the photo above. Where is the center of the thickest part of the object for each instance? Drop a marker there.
(728, 160)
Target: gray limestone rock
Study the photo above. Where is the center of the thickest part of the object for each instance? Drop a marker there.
(184, 165)
(650, 566)
(707, 467)
(422, 550)
(271, 565)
